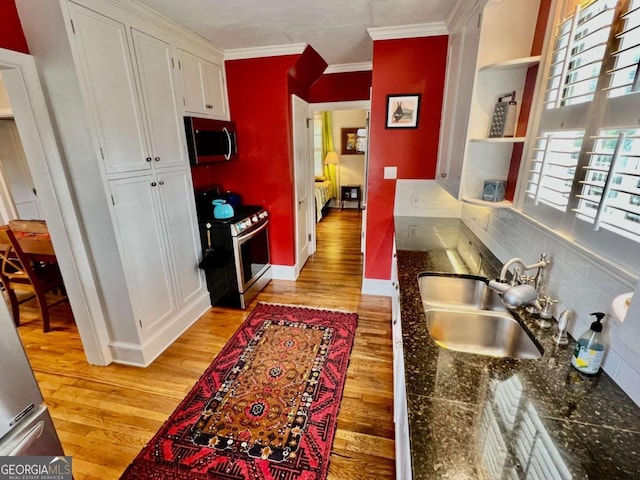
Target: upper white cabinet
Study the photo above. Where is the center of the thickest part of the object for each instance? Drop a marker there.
(463, 50)
(204, 84)
(155, 67)
(493, 49)
(105, 61)
(130, 83)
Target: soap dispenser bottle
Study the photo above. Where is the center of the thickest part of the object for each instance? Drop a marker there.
(589, 351)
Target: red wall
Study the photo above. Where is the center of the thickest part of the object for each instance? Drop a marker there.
(341, 87)
(415, 65)
(11, 34)
(527, 99)
(260, 102)
(262, 174)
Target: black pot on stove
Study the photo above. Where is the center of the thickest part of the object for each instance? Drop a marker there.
(233, 199)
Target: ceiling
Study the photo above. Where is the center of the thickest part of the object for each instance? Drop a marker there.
(336, 29)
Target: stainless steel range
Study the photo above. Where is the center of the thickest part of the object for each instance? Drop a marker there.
(236, 258)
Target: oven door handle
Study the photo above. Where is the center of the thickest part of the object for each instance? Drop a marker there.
(241, 238)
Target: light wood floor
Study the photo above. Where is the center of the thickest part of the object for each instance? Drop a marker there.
(105, 415)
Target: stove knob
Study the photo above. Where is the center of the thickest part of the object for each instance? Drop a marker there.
(239, 226)
(254, 219)
(247, 224)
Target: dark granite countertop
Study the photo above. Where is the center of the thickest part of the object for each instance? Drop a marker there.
(473, 416)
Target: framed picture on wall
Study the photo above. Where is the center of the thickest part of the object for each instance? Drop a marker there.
(403, 110)
(353, 141)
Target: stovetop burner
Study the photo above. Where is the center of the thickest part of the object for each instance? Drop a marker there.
(240, 212)
(245, 218)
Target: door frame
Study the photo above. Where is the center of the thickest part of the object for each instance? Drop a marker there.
(331, 106)
(302, 123)
(46, 165)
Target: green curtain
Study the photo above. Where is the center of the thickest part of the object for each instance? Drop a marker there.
(327, 146)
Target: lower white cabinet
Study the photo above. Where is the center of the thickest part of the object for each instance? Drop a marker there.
(157, 238)
(400, 412)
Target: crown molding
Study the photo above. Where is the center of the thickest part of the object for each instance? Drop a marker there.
(461, 12)
(147, 14)
(408, 31)
(349, 67)
(270, 51)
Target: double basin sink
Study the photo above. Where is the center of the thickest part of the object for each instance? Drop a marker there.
(465, 315)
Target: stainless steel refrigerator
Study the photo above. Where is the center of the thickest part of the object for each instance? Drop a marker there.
(25, 424)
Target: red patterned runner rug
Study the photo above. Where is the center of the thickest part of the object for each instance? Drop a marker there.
(265, 409)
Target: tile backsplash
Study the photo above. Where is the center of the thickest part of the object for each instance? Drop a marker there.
(581, 283)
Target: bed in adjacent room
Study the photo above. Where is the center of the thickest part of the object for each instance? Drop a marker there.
(323, 190)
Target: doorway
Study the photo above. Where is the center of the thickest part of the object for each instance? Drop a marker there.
(18, 195)
(352, 169)
(29, 109)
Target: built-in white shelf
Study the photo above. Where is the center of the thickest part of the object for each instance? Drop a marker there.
(499, 140)
(513, 64)
(484, 203)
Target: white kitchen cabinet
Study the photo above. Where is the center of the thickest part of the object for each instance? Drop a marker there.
(140, 229)
(400, 411)
(180, 225)
(158, 243)
(154, 59)
(204, 86)
(128, 70)
(463, 50)
(497, 67)
(128, 76)
(105, 62)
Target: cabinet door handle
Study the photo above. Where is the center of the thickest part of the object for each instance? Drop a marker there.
(161, 182)
(157, 159)
(148, 159)
(153, 184)
(209, 106)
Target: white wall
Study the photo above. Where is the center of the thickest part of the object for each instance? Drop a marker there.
(351, 166)
(581, 282)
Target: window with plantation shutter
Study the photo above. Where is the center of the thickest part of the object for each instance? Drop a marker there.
(579, 49)
(553, 168)
(583, 175)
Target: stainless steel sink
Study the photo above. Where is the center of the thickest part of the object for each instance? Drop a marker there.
(460, 291)
(465, 315)
(496, 334)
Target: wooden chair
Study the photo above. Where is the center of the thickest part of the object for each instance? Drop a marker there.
(30, 260)
(11, 273)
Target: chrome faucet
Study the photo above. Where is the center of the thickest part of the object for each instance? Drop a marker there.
(523, 289)
(538, 279)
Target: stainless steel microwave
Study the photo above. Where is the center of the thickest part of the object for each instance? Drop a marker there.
(210, 141)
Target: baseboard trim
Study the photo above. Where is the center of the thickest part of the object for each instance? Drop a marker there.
(374, 286)
(142, 355)
(284, 272)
